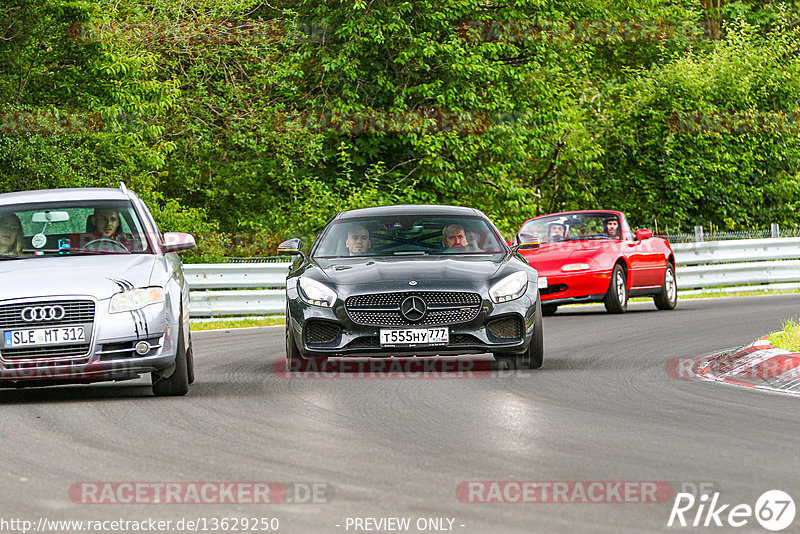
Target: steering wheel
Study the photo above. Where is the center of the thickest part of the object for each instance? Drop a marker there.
(104, 240)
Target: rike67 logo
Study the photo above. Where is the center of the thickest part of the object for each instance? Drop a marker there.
(774, 510)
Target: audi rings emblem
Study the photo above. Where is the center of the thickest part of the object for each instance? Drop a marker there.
(42, 313)
(413, 308)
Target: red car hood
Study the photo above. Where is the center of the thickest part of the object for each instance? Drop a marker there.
(549, 257)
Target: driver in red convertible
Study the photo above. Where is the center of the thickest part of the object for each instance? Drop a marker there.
(612, 228)
(556, 232)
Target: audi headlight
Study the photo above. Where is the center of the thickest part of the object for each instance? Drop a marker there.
(509, 288)
(575, 267)
(316, 293)
(135, 299)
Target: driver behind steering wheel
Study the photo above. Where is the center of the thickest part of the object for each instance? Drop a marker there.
(104, 222)
(104, 226)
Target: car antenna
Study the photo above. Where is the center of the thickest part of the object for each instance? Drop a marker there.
(123, 188)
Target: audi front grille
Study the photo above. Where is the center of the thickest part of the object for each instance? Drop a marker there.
(440, 308)
(75, 312)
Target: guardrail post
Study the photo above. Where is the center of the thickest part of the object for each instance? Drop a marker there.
(775, 230)
(698, 233)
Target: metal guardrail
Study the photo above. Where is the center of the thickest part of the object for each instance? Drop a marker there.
(221, 303)
(755, 263)
(734, 251)
(237, 280)
(738, 274)
(236, 275)
(230, 289)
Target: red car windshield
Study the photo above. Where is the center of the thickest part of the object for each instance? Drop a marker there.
(575, 226)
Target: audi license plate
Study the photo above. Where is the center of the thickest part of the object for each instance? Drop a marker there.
(415, 336)
(40, 337)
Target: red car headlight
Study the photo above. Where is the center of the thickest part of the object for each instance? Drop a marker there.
(570, 267)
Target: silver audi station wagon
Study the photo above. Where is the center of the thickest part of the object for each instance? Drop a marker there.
(91, 290)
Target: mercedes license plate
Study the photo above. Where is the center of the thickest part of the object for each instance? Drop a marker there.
(39, 337)
(414, 336)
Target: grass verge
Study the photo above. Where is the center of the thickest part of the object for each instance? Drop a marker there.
(789, 339)
(710, 294)
(227, 324)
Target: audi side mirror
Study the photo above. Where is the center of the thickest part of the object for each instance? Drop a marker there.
(178, 241)
(643, 234)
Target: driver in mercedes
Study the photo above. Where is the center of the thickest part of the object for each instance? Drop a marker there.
(358, 242)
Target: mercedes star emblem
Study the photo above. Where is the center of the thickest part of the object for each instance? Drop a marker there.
(413, 308)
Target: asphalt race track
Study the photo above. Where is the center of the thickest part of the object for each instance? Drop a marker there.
(601, 409)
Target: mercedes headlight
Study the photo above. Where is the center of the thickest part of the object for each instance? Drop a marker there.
(316, 293)
(135, 299)
(509, 288)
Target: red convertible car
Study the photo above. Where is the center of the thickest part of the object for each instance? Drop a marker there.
(593, 256)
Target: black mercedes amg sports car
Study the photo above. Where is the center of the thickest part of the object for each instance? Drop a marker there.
(412, 280)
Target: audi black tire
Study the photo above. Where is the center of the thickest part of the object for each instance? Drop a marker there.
(177, 383)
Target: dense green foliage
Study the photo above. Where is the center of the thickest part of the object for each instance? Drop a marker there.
(226, 135)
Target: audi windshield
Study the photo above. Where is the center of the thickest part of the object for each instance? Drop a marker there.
(71, 228)
(409, 236)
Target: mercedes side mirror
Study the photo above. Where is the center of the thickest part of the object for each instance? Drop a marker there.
(290, 247)
(526, 242)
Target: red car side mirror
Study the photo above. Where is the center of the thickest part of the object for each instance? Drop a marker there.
(643, 234)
